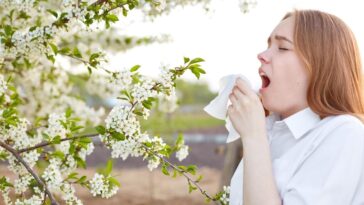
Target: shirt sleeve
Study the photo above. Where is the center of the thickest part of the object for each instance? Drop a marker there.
(333, 174)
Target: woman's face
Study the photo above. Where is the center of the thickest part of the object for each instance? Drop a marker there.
(285, 91)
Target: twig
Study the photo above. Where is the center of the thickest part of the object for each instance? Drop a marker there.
(21, 160)
(182, 172)
(43, 144)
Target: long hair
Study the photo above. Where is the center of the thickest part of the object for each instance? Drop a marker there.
(330, 53)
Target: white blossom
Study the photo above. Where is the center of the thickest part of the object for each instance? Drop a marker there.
(31, 157)
(33, 200)
(21, 184)
(68, 194)
(52, 174)
(182, 153)
(161, 5)
(225, 198)
(153, 163)
(143, 90)
(122, 120)
(100, 186)
(55, 127)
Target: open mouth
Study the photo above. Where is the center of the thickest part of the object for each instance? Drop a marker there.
(265, 81)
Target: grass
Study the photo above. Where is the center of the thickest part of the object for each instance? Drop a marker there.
(167, 124)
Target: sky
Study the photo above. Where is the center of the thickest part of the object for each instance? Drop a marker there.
(226, 38)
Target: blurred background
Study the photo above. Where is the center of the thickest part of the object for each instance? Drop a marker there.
(228, 34)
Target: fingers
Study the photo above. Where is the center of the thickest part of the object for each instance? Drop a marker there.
(244, 87)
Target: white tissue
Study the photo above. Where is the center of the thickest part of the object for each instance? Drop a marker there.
(219, 105)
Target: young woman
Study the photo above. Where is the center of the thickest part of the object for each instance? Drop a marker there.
(310, 149)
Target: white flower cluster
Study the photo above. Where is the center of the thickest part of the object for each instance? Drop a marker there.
(130, 146)
(225, 198)
(31, 157)
(68, 194)
(157, 145)
(58, 95)
(182, 153)
(34, 200)
(31, 42)
(100, 186)
(143, 90)
(21, 5)
(109, 85)
(52, 174)
(121, 79)
(166, 80)
(161, 5)
(122, 120)
(21, 184)
(153, 163)
(55, 127)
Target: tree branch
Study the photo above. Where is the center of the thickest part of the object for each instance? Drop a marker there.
(21, 160)
(43, 144)
(203, 192)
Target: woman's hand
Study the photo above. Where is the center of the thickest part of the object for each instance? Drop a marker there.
(246, 111)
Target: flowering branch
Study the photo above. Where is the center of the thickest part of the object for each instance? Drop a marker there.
(44, 144)
(189, 179)
(21, 160)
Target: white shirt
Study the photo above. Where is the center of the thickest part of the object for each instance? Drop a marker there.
(315, 162)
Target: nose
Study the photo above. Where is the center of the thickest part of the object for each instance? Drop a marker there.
(263, 57)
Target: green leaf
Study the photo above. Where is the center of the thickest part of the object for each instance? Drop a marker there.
(81, 180)
(100, 129)
(68, 112)
(89, 70)
(53, 13)
(8, 30)
(186, 60)
(4, 183)
(75, 128)
(94, 56)
(65, 50)
(195, 72)
(147, 104)
(125, 12)
(114, 181)
(134, 68)
(118, 136)
(196, 60)
(73, 175)
(51, 58)
(199, 179)
(191, 169)
(112, 17)
(108, 168)
(58, 154)
(191, 187)
(180, 140)
(80, 162)
(77, 53)
(165, 169)
(3, 156)
(56, 140)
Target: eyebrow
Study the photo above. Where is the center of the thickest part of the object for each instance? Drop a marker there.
(280, 38)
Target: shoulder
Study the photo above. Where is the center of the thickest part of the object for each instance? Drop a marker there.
(345, 122)
(345, 126)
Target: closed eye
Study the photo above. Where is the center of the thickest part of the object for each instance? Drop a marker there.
(283, 49)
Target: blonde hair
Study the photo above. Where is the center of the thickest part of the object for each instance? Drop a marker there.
(330, 53)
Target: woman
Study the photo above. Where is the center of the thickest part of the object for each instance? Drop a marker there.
(310, 149)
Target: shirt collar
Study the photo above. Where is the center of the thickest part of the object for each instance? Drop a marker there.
(298, 123)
